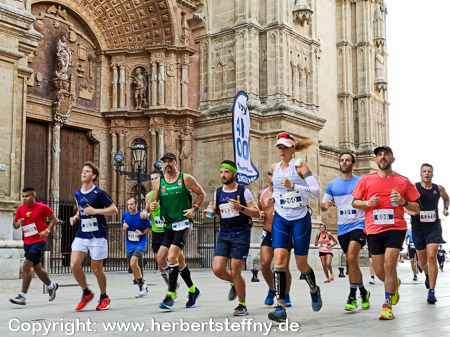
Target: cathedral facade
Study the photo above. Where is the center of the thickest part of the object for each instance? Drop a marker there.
(87, 79)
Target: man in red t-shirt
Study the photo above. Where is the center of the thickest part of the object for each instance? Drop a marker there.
(383, 195)
(31, 217)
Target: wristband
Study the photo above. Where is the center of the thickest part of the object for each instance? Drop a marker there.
(47, 230)
(406, 203)
(196, 206)
(367, 204)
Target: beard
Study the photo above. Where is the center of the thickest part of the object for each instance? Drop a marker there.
(384, 165)
(168, 169)
(227, 181)
(346, 170)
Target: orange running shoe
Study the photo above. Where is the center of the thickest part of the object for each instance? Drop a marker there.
(386, 312)
(103, 304)
(84, 300)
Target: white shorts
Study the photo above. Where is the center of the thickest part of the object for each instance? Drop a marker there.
(97, 247)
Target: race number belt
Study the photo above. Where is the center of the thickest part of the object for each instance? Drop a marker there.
(227, 212)
(427, 216)
(89, 225)
(133, 236)
(291, 200)
(158, 222)
(383, 216)
(180, 225)
(346, 212)
(29, 230)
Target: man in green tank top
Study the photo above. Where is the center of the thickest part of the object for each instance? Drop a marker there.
(173, 191)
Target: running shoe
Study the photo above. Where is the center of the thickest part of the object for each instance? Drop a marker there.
(270, 296)
(415, 277)
(386, 312)
(351, 304)
(327, 281)
(84, 300)
(427, 282)
(278, 315)
(240, 310)
(431, 297)
(365, 301)
(287, 301)
(316, 300)
(143, 290)
(167, 303)
(396, 297)
(372, 280)
(103, 303)
(331, 277)
(52, 293)
(19, 299)
(192, 298)
(232, 294)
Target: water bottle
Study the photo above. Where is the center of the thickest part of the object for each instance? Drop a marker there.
(394, 203)
(210, 210)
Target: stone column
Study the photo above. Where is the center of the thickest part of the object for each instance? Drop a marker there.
(56, 150)
(114, 87)
(154, 100)
(153, 147)
(161, 143)
(113, 171)
(186, 150)
(122, 86)
(121, 188)
(184, 80)
(161, 82)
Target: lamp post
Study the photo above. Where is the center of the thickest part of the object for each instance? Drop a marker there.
(139, 153)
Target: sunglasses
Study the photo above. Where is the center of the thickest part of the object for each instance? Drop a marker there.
(284, 135)
(269, 173)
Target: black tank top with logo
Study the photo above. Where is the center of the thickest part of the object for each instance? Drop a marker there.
(429, 201)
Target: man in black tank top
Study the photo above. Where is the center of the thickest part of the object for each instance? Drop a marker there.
(426, 227)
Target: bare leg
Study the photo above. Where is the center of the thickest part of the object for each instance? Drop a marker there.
(97, 269)
(76, 259)
(134, 264)
(324, 266)
(239, 283)
(27, 275)
(266, 254)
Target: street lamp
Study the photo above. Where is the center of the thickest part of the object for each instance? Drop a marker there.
(139, 155)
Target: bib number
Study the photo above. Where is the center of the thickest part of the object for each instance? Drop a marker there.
(180, 225)
(291, 200)
(132, 236)
(29, 230)
(264, 233)
(324, 246)
(158, 222)
(411, 245)
(427, 216)
(89, 225)
(383, 217)
(347, 212)
(226, 212)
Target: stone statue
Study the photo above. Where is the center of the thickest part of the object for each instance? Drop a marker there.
(303, 3)
(379, 65)
(64, 59)
(139, 89)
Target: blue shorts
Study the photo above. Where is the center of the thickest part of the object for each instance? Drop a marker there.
(35, 252)
(233, 245)
(300, 230)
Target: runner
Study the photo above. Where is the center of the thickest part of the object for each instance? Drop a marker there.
(441, 257)
(350, 226)
(293, 182)
(31, 217)
(161, 252)
(323, 240)
(411, 252)
(379, 194)
(426, 227)
(136, 226)
(173, 192)
(235, 206)
(93, 204)
(265, 204)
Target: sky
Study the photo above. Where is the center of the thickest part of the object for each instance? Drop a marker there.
(418, 73)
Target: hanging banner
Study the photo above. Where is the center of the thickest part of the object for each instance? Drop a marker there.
(246, 171)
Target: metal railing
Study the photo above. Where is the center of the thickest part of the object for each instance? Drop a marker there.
(198, 251)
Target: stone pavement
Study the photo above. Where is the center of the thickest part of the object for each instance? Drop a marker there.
(414, 316)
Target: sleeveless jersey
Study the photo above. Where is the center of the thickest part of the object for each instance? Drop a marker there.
(157, 221)
(429, 201)
(281, 193)
(231, 220)
(323, 243)
(174, 199)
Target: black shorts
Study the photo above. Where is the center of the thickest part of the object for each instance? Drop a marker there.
(388, 239)
(157, 239)
(139, 253)
(412, 253)
(357, 235)
(325, 254)
(233, 245)
(267, 240)
(35, 252)
(426, 234)
(177, 238)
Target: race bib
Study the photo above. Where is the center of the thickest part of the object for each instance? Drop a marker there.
(427, 216)
(383, 217)
(324, 246)
(89, 225)
(158, 222)
(227, 212)
(133, 236)
(180, 225)
(411, 245)
(29, 230)
(264, 233)
(291, 199)
(346, 212)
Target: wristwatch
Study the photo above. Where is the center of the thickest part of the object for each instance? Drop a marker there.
(406, 203)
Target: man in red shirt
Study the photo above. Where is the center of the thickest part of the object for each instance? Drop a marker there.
(31, 217)
(383, 195)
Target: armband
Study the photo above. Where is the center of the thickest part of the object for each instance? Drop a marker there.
(196, 206)
(367, 204)
(47, 230)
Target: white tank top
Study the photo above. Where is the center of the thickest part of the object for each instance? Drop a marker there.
(291, 205)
